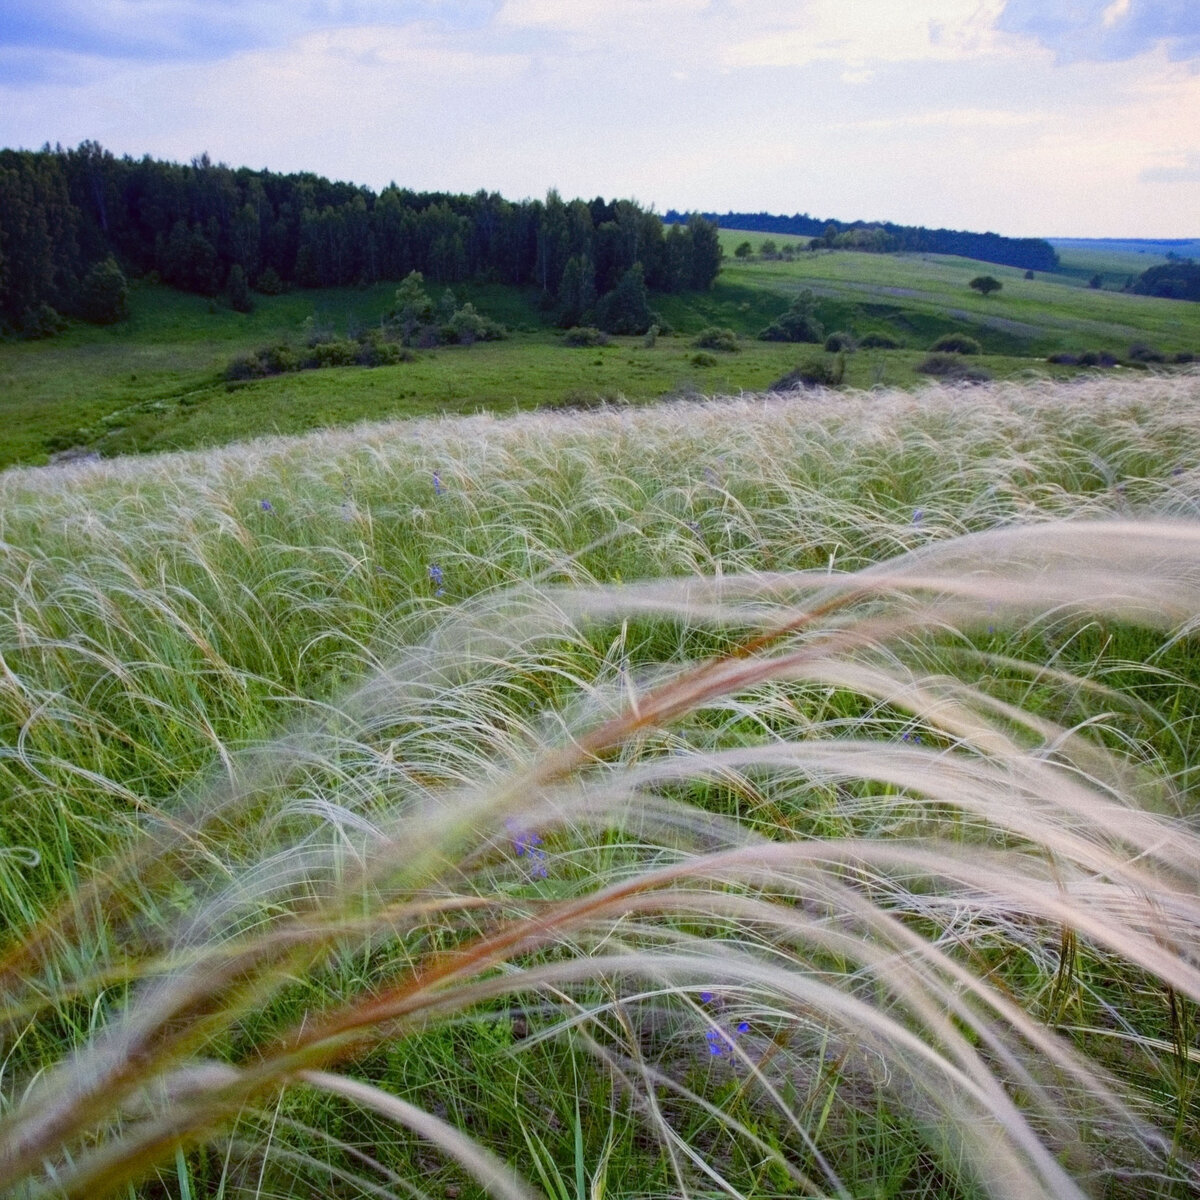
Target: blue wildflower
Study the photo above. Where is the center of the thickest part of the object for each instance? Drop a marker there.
(918, 516)
(437, 484)
(266, 506)
(436, 578)
(719, 1041)
(528, 845)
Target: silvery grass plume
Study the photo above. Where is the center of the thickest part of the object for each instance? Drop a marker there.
(724, 857)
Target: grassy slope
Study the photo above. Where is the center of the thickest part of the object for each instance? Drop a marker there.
(157, 623)
(155, 382)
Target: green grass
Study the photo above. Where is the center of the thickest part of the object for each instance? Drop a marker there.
(868, 720)
(156, 382)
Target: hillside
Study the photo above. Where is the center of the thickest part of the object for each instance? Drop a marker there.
(807, 787)
(158, 380)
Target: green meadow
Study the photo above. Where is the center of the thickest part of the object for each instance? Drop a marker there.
(156, 381)
(755, 796)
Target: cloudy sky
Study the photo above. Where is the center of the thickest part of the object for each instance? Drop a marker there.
(1045, 117)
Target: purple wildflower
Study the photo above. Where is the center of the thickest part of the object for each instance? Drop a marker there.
(266, 506)
(436, 577)
(437, 484)
(918, 516)
(720, 1043)
(528, 846)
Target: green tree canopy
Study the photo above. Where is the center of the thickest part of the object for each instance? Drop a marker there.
(985, 284)
(104, 294)
(626, 309)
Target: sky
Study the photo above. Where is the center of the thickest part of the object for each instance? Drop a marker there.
(1070, 118)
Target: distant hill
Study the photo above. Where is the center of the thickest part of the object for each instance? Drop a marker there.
(1035, 254)
(1159, 247)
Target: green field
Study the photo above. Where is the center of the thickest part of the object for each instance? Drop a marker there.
(747, 797)
(157, 381)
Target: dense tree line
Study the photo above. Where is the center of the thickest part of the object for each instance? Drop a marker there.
(1176, 280)
(208, 228)
(1032, 253)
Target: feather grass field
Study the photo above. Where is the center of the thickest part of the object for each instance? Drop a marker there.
(762, 797)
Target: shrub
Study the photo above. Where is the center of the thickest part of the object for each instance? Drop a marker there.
(1063, 359)
(985, 284)
(714, 338)
(269, 283)
(377, 351)
(952, 366)
(841, 340)
(1142, 353)
(1030, 275)
(104, 294)
(957, 343)
(268, 360)
(1184, 356)
(798, 324)
(744, 250)
(812, 372)
(651, 338)
(336, 354)
(467, 326)
(41, 322)
(703, 359)
(879, 341)
(584, 336)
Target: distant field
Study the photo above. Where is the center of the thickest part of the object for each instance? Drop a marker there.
(1115, 261)
(157, 381)
(1035, 316)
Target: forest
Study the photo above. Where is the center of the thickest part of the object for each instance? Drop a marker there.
(1035, 254)
(73, 222)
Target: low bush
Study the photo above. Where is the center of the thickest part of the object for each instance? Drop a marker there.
(798, 324)
(957, 343)
(583, 336)
(951, 366)
(269, 360)
(1142, 353)
(336, 353)
(702, 358)
(879, 341)
(841, 340)
(812, 372)
(269, 283)
(714, 338)
(41, 322)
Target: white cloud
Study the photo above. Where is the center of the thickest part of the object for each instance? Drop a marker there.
(916, 112)
(625, 18)
(871, 31)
